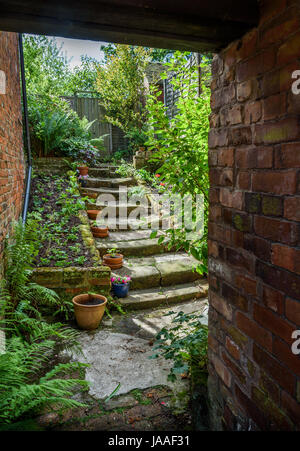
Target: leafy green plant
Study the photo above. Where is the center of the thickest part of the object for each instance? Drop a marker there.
(185, 343)
(99, 142)
(22, 391)
(137, 137)
(120, 83)
(22, 302)
(125, 170)
(113, 252)
(137, 191)
(180, 144)
(20, 252)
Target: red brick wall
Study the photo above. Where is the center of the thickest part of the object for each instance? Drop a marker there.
(254, 229)
(11, 141)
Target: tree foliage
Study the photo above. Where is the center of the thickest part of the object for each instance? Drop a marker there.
(180, 144)
(46, 67)
(120, 83)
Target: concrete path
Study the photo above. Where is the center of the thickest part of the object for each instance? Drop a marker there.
(119, 352)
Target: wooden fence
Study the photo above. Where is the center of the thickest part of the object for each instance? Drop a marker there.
(93, 111)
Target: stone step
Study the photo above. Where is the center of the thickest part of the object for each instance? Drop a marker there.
(103, 172)
(159, 270)
(121, 208)
(146, 222)
(130, 235)
(129, 248)
(154, 297)
(109, 182)
(107, 194)
(116, 208)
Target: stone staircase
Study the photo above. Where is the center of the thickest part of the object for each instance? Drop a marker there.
(158, 275)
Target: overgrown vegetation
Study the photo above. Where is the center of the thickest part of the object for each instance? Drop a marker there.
(185, 343)
(180, 146)
(28, 378)
(56, 130)
(120, 83)
(22, 391)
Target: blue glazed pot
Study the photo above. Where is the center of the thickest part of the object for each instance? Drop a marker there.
(120, 289)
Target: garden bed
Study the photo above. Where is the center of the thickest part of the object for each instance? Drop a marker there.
(68, 260)
(56, 202)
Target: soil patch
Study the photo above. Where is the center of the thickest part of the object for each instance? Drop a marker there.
(55, 202)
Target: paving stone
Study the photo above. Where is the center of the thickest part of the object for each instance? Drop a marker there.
(109, 182)
(117, 358)
(154, 297)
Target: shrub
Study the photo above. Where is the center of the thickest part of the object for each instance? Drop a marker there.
(55, 127)
(185, 342)
(180, 145)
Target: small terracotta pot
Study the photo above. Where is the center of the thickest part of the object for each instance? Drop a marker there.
(88, 317)
(93, 214)
(99, 232)
(83, 170)
(113, 262)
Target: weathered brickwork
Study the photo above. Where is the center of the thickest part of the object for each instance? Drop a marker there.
(12, 166)
(254, 229)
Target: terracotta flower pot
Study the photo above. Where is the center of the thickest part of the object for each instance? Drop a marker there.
(83, 170)
(88, 314)
(92, 214)
(113, 262)
(100, 232)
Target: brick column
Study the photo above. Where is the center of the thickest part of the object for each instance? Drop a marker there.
(254, 229)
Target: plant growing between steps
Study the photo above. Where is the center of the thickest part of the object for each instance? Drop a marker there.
(186, 344)
(137, 192)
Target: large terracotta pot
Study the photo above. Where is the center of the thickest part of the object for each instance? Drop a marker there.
(83, 170)
(92, 214)
(113, 262)
(88, 316)
(100, 232)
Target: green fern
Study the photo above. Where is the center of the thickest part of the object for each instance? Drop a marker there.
(21, 391)
(22, 302)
